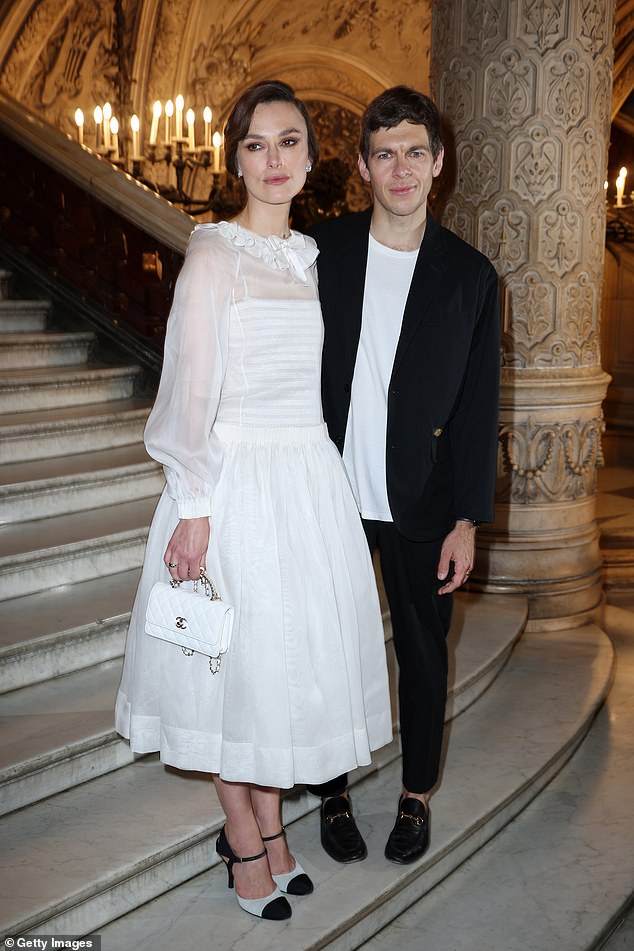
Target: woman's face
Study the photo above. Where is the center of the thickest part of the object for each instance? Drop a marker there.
(273, 155)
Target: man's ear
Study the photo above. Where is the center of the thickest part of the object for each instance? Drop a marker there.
(363, 168)
(437, 169)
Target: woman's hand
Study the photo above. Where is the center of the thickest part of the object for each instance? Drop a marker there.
(186, 551)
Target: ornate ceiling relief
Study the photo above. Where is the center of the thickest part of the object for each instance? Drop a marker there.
(69, 56)
(167, 44)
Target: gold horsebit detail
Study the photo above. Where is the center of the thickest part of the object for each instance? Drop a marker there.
(417, 820)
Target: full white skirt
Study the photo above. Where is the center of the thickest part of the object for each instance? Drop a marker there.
(302, 694)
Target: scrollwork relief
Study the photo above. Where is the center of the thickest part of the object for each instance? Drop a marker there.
(536, 164)
(586, 164)
(456, 93)
(510, 82)
(543, 22)
(529, 316)
(592, 26)
(458, 221)
(484, 25)
(57, 56)
(480, 164)
(222, 65)
(550, 462)
(568, 93)
(581, 319)
(503, 236)
(560, 231)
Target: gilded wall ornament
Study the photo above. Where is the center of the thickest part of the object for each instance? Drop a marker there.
(549, 462)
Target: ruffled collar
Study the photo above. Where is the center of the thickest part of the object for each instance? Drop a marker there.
(295, 253)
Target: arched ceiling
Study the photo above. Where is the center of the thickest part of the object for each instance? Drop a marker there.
(56, 55)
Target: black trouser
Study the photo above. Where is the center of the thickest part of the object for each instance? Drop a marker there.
(420, 622)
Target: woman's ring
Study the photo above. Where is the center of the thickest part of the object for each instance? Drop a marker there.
(170, 565)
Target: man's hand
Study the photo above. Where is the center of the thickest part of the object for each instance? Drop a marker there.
(459, 547)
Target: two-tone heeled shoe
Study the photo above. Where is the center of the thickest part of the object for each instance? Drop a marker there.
(296, 882)
(273, 907)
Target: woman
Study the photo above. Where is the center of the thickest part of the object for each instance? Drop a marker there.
(302, 694)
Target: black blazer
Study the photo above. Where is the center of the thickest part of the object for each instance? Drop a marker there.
(443, 394)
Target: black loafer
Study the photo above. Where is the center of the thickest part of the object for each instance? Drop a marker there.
(409, 839)
(340, 836)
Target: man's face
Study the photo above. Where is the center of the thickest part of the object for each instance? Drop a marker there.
(401, 168)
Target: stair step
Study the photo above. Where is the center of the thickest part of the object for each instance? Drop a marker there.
(65, 549)
(5, 283)
(59, 734)
(23, 316)
(615, 508)
(22, 350)
(561, 875)
(76, 483)
(131, 835)
(48, 388)
(44, 433)
(64, 629)
(26, 713)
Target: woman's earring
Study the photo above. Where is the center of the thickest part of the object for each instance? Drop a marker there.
(239, 173)
(309, 167)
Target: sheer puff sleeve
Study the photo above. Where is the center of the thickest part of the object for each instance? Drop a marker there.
(178, 429)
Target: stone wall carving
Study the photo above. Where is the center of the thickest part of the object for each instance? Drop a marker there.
(548, 462)
(528, 104)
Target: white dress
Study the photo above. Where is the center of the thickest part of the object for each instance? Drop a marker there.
(302, 695)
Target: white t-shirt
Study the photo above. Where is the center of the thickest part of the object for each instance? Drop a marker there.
(387, 282)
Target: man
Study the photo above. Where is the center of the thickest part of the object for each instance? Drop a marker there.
(410, 388)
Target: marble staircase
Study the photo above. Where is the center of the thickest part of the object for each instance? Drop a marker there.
(76, 495)
(96, 840)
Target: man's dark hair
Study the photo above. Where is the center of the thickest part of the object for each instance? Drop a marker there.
(396, 105)
(239, 122)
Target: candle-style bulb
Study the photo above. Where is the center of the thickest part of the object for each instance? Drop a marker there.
(169, 108)
(79, 117)
(207, 114)
(98, 115)
(135, 125)
(107, 112)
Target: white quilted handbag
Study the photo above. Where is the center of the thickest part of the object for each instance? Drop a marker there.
(196, 621)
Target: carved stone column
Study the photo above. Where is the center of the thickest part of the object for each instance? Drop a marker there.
(526, 88)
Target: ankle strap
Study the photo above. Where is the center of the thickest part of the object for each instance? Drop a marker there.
(278, 835)
(250, 858)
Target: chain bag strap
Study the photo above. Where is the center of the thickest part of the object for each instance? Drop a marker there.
(196, 621)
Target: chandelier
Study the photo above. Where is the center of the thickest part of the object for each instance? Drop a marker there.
(185, 167)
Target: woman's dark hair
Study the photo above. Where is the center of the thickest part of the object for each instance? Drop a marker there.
(396, 105)
(239, 122)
